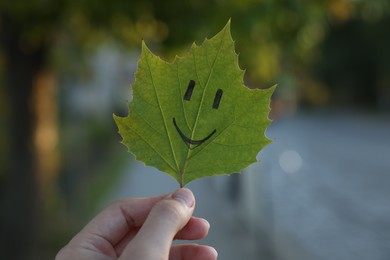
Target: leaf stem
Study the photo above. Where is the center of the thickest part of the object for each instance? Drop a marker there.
(181, 176)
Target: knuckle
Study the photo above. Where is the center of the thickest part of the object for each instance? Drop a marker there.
(171, 209)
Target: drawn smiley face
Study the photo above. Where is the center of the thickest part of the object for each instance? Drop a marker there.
(187, 96)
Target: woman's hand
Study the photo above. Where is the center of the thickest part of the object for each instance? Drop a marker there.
(143, 229)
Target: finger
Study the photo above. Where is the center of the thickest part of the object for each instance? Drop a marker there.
(192, 252)
(196, 228)
(166, 218)
(109, 227)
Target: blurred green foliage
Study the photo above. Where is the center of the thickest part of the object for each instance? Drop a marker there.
(274, 38)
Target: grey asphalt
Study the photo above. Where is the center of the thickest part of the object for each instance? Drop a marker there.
(321, 191)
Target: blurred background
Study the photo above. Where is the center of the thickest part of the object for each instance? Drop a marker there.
(321, 190)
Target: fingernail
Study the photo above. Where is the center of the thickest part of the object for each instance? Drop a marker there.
(206, 223)
(184, 195)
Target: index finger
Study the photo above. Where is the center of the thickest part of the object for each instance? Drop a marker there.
(114, 222)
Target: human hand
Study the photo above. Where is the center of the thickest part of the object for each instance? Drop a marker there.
(142, 229)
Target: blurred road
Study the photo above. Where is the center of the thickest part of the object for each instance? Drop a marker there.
(323, 188)
(321, 191)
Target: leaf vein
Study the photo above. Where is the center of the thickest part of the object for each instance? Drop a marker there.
(151, 146)
(162, 114)
(147, 122)
(204, 90)
(181, 97)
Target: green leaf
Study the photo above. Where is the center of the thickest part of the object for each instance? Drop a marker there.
(187, 134)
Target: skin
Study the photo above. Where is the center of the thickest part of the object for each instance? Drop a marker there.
(135, 229)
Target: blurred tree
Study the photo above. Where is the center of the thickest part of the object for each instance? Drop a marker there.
(19, 194)
(357, 65)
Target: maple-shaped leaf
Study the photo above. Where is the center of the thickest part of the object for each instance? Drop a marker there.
(194, 117)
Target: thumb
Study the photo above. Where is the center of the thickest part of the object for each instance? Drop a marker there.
(166, 218)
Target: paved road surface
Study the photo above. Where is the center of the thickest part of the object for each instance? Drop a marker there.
(322, 191)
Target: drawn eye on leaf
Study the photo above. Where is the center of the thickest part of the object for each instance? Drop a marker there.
(217, 99)
(194, 117)
(190, 89)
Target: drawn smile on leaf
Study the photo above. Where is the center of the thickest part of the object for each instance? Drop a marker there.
(187, 96)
